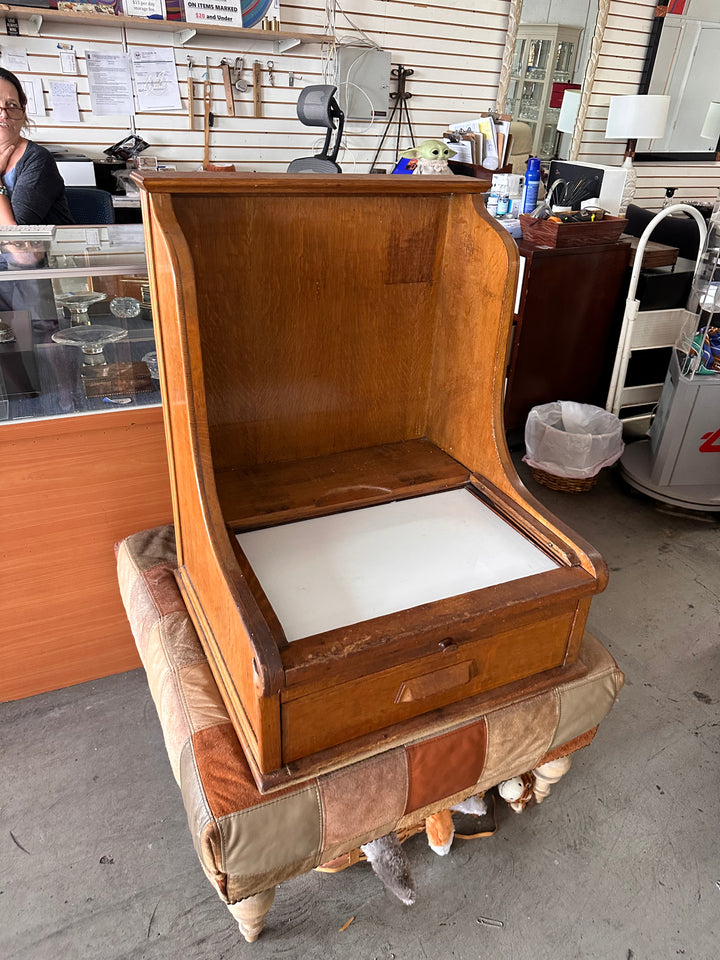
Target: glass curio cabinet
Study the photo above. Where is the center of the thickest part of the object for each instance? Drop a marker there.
(545, 55)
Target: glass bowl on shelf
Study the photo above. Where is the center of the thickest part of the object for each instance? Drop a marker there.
(151, 359)
(7, 334)
(79, 303)
(125, 308)
(92, 339)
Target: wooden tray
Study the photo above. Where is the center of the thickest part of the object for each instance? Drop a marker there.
(551, 234)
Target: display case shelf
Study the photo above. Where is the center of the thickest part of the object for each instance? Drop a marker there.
(41, 378)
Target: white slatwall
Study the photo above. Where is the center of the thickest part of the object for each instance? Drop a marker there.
(455, 50)
(619, 71)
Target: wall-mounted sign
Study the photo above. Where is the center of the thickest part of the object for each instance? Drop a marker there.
(152, 9)
(225, 12)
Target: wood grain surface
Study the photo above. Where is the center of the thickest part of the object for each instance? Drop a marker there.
(329, 342)
(74, 487)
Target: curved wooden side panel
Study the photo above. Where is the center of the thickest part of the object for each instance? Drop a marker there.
(248, 667)
(476, 306)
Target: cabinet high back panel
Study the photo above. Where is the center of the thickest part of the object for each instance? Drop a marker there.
(355, 548)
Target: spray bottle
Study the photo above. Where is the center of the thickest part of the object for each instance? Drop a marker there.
(532, 185)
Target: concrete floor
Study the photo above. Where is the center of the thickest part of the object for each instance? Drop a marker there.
(620, 862)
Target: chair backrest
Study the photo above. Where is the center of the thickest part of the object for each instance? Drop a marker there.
(674, 231)
(313, 165)
(317, 107)
(522, 135)
(90, 205)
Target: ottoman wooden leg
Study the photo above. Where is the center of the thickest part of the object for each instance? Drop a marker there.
(547, 774)
(251, 912)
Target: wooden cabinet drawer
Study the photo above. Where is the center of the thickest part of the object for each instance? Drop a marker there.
(331, 715)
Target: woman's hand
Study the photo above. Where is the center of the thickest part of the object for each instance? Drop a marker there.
(6, 151)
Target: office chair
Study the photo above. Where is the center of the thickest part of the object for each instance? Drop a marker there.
(90, 205)
(317, 107)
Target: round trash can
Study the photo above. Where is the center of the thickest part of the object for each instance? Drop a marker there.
(567, 444)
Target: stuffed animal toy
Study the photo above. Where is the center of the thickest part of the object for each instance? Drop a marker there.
(440, 827)
(431, 157)
(391, 865)
(517, 791)
(389, 861)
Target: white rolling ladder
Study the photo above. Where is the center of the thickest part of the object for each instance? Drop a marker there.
(646, 329)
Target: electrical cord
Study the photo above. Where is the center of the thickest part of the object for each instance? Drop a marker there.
(330, 66)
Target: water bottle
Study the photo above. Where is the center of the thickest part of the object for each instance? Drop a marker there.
(532, 185)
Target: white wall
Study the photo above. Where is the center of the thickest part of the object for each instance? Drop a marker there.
(454, 48)
(702, 10)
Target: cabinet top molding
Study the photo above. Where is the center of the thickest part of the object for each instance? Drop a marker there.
(279, 41)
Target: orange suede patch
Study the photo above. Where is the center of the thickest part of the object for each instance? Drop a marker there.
(564, 749)
(224, 771)
(445, 765)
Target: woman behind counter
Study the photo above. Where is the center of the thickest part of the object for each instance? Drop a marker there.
(31, 188)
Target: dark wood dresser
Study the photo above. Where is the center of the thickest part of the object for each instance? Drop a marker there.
(563, 326)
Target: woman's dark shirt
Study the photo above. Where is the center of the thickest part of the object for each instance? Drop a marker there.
(37, 191)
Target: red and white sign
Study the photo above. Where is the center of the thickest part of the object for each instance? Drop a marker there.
(711, 442)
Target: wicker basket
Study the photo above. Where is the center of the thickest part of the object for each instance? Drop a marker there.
(346, 860)
(564, 484)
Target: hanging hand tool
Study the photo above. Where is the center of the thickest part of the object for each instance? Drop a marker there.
(209, 117)
(271, 75)
(227, 83)
(257, 89)
(241, 84)
(191, 94)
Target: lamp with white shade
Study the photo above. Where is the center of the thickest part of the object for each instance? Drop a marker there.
(631, 118)
(568, 111)
(568, 115)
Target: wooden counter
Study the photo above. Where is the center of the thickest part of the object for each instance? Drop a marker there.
(72, 488)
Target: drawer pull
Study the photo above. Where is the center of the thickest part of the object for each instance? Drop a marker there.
(430, 684)
(447, 645)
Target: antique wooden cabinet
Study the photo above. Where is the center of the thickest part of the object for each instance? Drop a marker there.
(354, 545)
(565, 330)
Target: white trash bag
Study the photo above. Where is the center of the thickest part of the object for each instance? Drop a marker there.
(568, 439)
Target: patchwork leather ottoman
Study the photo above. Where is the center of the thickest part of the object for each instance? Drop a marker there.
(248, 842)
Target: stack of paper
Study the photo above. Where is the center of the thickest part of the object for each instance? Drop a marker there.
(489, 137)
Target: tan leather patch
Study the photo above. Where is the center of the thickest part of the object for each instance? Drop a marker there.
(358, 798)
(268, 837)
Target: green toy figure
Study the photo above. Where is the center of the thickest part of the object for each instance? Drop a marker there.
(431, 156)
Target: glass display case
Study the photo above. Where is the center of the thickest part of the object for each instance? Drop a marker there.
(545, 55)
(82, 450)
(76, 333)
